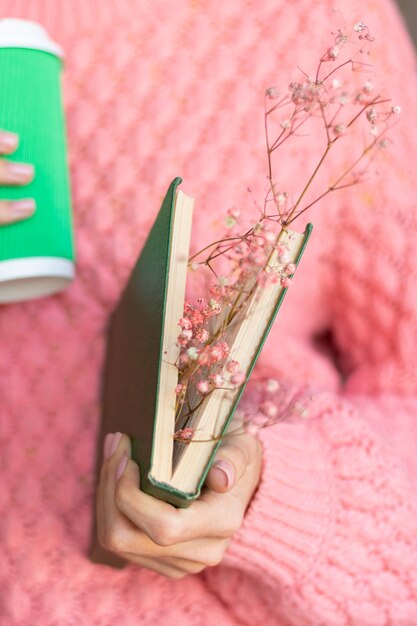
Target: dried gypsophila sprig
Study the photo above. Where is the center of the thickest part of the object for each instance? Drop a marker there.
(205, 363)
(267, 403)
(326, 96)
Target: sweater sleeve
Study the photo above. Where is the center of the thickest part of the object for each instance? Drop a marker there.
(331, 532)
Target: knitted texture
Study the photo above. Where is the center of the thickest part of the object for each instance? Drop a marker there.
(159, 89)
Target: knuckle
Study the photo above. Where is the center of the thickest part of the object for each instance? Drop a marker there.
(166, 534)
(113, 539)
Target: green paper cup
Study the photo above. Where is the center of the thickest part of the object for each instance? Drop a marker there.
(36, 255)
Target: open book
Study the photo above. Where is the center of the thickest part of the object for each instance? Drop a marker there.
(140, 375)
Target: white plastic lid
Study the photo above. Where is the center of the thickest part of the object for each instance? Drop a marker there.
(36, 277)
(16, 33)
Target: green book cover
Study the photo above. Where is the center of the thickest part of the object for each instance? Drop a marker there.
(135, 351)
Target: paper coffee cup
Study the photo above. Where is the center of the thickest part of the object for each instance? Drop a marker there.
(37, 254)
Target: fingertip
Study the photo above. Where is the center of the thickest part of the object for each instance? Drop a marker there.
(8, 142)
(122, 466)
(116, 447)
(222, 476)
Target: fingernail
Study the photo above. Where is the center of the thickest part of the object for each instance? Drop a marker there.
(19, 172)
(121, 467)
(8, 141)
(107, 444)
(114, 443)
(23, 207)
(227, 470)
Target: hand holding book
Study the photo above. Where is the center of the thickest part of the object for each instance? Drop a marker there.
(156, 535)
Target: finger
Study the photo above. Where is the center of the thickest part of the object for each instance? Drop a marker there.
(231, 461)
(12, 173)
(184, 566)
(207, 551)
(116, 446)
(187, 566)
(164, 524)
(156, 565)
(8, 142)
(16, 210)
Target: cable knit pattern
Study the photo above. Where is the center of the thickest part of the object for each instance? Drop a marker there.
(154, 90)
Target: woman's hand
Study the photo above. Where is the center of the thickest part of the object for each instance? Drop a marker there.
(156, 535)
(12, 173)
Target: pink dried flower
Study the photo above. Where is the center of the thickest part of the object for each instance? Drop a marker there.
(181, 341)
(270, 237)
(225, 349)
(257, 258)
(217, 380)
(185, 323)
(272, 385)
(232, 367)
(283, 252)
(202, 335)
(285, 281)
(235, 213)
(333, 52)
(216, 353)
(203, 386)
(187, 334)
(237, 379)
(178, 389)
(204, 357)
(185, 435)
(269, 409)
(290, 268)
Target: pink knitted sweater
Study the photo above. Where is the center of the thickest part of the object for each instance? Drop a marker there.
(159, 89)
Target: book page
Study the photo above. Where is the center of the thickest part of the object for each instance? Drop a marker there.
(174, 307)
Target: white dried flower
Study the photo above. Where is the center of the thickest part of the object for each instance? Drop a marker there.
(192, 353)
(359, 27)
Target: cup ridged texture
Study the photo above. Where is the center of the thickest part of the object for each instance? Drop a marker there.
(31, 106)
